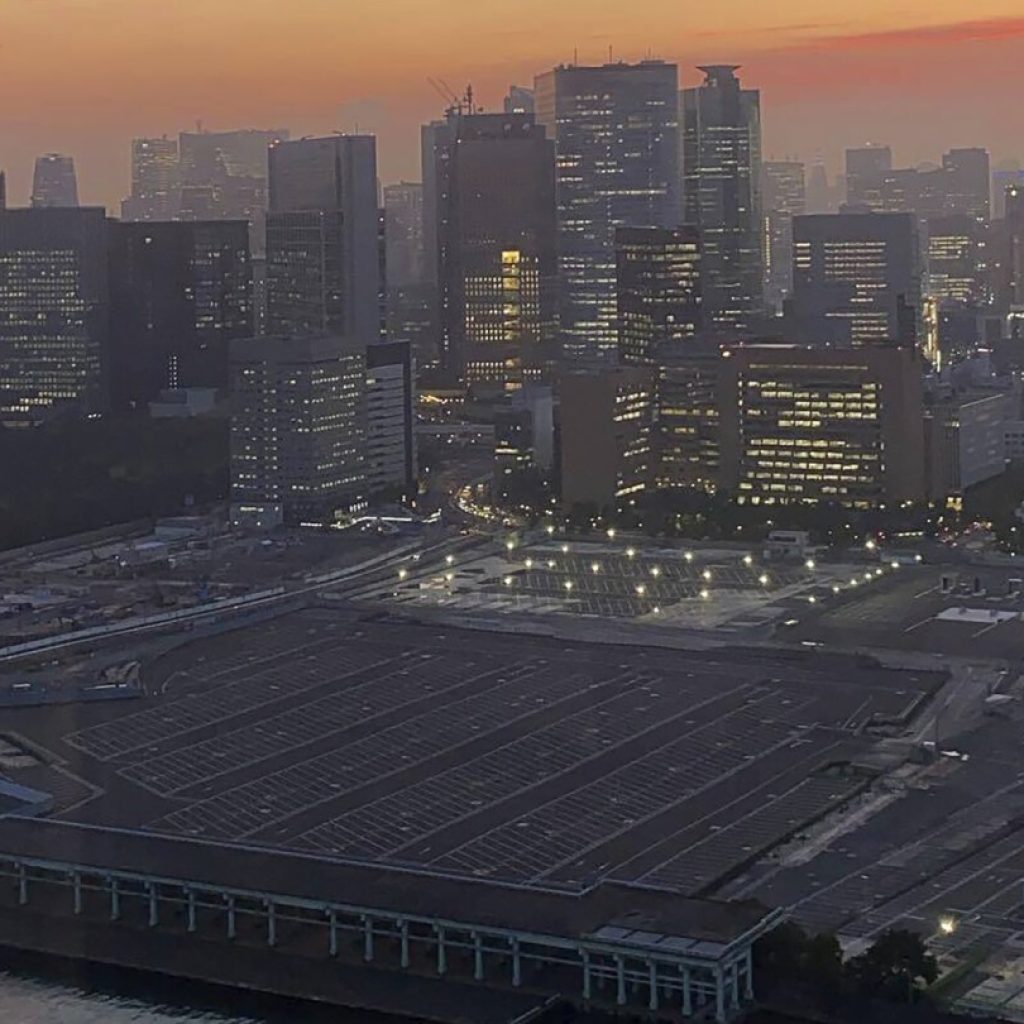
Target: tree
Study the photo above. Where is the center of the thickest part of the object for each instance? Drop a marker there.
(893, 967)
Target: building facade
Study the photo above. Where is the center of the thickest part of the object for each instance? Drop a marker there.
(616, 134)
(856, 278)
(298, 430)
(658, 291)
(323, 271)
(54, 312)
(390, 420)
(607, 435)
(180, 292)
(722, 196)
(803, 424)
(784, 197)
(496, 258)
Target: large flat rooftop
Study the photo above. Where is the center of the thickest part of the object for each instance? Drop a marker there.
(469, 755)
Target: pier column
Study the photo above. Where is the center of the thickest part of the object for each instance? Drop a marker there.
(719, 996)
(687, 994)
(153, 910)
(652, 975)
(442, 952)
(115, 899)
(22, 885)
(620, 972)
(332, 932)
(191, 911)
(748, 974)
(232, 929)
(405, 943)
(367, 939)
(271, 923)
(517, 967)
(586, 973)
(478, 957)
(76, 885)
(734, 982)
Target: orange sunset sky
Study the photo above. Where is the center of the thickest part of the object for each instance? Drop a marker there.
(84, 76)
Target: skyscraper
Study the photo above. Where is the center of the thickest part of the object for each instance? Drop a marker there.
(722, 196)
(155, 181)
(784, 198)
(390, 420)
(856, 278)
(519, 100)
(616, 133)
(495, 232)
(967, 183)
(323, 265)
(54, 182)
(658, 288)
(54, 311)
(180, 292)
(298, 415)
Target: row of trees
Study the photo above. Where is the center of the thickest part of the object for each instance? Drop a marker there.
(898, 967)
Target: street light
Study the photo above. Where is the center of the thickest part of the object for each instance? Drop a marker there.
(402, 573)
(947, 924)
(510, 545)
(568, 585)
(595, 567)
(706, 574)
(656, 572)
(763, 579)
(705, 594)
(810, 564)
(641, 589)
(870, 544)
(550, 528)
(656, 610)
(449, 576)
(529, 563)
(611, 533)
(508, 581)
(812, 600)
(748, 559)
(551, 563)
(450, 559)
(688, 556)
(630, 552)
(565, 549)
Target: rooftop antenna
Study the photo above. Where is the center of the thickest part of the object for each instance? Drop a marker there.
(575, 56)
(610, 61)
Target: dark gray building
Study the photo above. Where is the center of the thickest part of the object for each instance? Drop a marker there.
(156, 186)
(180, 292)
(722, 196)
(856, 278)
(784, 197)
(616, 134)
(323, 238)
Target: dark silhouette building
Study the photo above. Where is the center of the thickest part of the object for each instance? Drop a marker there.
(616, 134)
(180, 293)
(722, 196)
(784, 197)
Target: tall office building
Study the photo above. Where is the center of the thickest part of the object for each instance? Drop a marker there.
(390, 420)
(866, 166)
(1004, 177)
(856, 278)
(722, 196)
(403, 234)
(1010, 279)
(616, 133)
(658, 289)
(3, 190)
(956, 259)
(155, 181)
(54, 182)
(784, 197)
(298, 415)
(495, 231)
(54, 312)
(607, 417)
(180, 292)
(802, 424)
(323, 265)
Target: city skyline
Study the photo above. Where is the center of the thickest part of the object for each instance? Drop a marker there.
(296, 70)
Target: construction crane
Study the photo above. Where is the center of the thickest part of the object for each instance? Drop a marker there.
(456, 104)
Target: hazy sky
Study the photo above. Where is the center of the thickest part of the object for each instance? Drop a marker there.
(84, 76)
